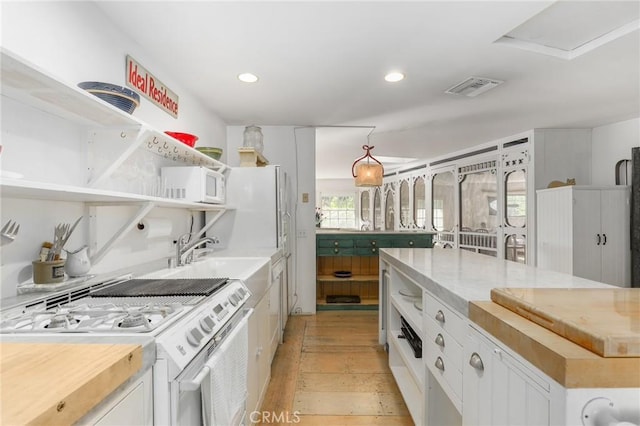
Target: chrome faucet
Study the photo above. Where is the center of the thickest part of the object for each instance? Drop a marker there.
(184, 249)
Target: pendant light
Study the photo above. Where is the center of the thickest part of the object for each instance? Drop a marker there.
(367, 173)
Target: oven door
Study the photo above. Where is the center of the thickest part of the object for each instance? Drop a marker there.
(212, 389)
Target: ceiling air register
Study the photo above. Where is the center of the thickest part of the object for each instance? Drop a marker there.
(473, 86)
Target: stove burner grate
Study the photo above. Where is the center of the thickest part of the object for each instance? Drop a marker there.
(163, 287)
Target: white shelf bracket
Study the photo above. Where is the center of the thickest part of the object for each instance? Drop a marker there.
(108, 145)
(210, 223)
(128, 226)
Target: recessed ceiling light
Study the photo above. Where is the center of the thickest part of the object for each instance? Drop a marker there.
(247, 77)
(394, 77)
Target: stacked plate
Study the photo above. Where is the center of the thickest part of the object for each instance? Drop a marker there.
(118, 96)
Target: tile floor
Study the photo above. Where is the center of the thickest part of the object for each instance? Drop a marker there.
(331, 371)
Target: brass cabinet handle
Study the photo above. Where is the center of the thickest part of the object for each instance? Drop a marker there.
(440, 340)
(439, 364)
(476, 362)
(440, 316)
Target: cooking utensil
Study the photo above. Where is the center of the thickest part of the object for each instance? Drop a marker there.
(10, 230)
(58, 235)
(66, 238)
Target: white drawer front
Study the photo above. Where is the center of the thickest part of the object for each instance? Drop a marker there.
(450, 321)
(449, 373)
(444, 343)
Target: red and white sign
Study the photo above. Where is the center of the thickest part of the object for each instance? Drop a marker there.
(143, 82)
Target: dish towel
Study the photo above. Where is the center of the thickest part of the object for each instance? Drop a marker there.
(224, 393)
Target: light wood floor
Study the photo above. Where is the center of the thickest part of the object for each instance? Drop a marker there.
(331, 371)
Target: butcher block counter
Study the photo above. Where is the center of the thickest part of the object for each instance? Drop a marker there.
(58, 383)
(567, 363)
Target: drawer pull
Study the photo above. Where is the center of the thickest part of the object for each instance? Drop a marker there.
(373, 250)
(373, 243)
(440, 364)
(335, 243)
(440, 316)
(440, 340)
(336, 250)
(411, 243)
(476, 362)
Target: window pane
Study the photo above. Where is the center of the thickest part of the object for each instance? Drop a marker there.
(419, 210)
(516, 248)
(389, 217)
(478, 202)
(377, 210)
(404, 203)
(516, 201)
(338, 211)
(442, 197)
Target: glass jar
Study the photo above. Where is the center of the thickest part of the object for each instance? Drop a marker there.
(252, 138)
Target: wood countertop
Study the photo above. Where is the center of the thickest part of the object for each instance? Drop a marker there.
(564, 361)
(58, 383)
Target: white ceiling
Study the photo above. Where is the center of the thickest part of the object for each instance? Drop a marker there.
(322, 63)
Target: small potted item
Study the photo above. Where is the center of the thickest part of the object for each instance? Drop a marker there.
(48, 272)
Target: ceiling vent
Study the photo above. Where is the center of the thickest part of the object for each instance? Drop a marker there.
(473, 86)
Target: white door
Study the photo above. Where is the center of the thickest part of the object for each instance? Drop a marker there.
(615, 245)
(587, 236)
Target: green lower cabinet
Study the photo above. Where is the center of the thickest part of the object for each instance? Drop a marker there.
(364, 244)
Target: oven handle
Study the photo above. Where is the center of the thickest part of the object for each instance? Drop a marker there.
(195, 383)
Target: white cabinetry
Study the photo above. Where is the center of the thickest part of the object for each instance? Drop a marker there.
(405, 301)
(584, 231)
(499, 390)
(132, 405)
(264, 334)
(259, 364)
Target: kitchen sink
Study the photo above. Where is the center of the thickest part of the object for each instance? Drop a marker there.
(228, 267)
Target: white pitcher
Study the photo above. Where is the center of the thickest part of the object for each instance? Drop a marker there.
(78, 263)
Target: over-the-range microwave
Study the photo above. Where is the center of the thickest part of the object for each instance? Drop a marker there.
(194, 183)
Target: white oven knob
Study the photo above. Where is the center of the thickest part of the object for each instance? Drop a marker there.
(207, 323)
(233, 299)
(194, 336)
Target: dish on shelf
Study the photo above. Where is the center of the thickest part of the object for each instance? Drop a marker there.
(409, 293)
(212, 152)
(118, 96)
(418, 305)
(342, 274)
(186, 138)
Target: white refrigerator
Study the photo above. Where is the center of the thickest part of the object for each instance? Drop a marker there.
(256, 219)
(259, 217)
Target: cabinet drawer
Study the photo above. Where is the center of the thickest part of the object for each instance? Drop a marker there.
(366, 251)
(448, 372)
(334, 242)
(444, 344)
(335, 251)
(411, 241)
(445, 317)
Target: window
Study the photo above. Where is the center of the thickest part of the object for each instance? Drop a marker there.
(338, 211)
(438, 214)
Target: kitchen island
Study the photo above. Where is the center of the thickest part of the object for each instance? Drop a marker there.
(481, 363)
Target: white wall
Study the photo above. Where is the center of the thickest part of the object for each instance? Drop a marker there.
(294, 150)
(75, 42)
(610, 144)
